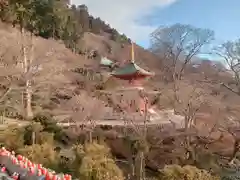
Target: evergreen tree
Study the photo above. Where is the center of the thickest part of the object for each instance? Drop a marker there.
(55, 19)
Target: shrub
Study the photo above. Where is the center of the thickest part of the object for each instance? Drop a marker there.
(176, 172)
(50, 125)
(31, 133)
(97, 164)
(34, 134)
(43, 154)
(12, 137)
(46, 137)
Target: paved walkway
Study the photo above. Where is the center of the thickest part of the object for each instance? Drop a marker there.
(157, 118)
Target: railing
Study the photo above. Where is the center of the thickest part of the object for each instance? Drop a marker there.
(19, 167)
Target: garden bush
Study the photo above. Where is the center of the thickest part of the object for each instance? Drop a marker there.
(176, 172)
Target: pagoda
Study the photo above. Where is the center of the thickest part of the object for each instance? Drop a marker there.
(134, 74)
(131, 71)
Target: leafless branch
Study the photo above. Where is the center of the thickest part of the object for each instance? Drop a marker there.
(179, 44)
(5, 94)
(230, 52)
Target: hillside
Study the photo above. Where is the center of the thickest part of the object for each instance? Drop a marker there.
(65, 84)
(52, 84)
(48, 53)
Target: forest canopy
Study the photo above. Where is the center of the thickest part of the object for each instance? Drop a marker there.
(55, 19)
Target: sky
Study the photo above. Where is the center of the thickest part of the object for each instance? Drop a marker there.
(138, 18)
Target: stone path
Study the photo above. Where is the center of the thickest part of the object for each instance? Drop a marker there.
(157, 118)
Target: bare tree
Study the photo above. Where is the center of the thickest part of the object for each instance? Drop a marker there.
(43, 73)
(128, 103)
(187, 100)
(85, 110)
(178, 44)
(230, 124)
(43, 70)
(230, 52)
(9, 74)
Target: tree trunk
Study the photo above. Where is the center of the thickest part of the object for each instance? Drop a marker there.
(54, 31)
(140, 166)
(90, 136)
(141, 169)
(92, 127)
(33, 137)
(28, 93)
(3, 116)
(29, 113)
(188, 138)
(132, 167)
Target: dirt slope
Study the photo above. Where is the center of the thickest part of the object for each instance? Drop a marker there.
(121, 52)
(50, 67)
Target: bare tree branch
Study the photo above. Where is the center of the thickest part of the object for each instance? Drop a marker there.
(179, 44)
(5, 94)
(230, 52)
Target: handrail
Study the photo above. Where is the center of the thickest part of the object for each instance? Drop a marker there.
(19, 166)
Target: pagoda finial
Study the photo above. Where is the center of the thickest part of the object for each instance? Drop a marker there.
(133, 58)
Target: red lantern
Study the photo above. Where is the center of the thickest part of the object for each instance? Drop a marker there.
(54, 177)
(14, 160)
(48, 176)
(32, 170)
(44, 171)
(19, 157)
(67, 177)
(29, 163)
(3, 169)
(39, 166)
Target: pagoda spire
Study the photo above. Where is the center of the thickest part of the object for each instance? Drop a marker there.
(131, 71)
(132, 53)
